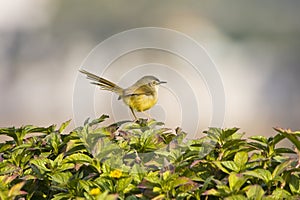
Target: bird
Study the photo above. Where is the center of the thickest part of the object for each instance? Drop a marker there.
(141, 96)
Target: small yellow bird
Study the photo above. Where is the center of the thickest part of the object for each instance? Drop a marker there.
(141, 96)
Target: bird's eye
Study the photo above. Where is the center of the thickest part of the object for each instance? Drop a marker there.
(154, 82)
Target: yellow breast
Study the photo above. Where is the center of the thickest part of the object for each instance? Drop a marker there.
(141, 102)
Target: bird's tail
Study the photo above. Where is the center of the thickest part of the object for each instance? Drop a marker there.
(103, 83)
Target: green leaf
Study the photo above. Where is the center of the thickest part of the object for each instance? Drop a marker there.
(229, 132)
(240, 159)
(7, 168)
(278, 179)
(137, 172)
(236, 197)
(41, 164)
(233, 144)
(153, 177)
(104, 148)
(83, 184)
(206, 184)
(166, 175)
(58, 160)
(279, 194)
(262, 174)
(223, 189)
(153, 123)
(106, 196)
(16, 190)
(214, 133)
(99, 120)
(46, 130)
(254, 192)
(16, 134)
(123, 185)
(5, 146)
(168, 137)
(284, 150)
(78, 158)
(280, 159)
(261, 139)
(292, 136)
(280, 168)
(64, 125)
(159, 197)
(231, 165)
(277, 138)
(236, 181)
(75, 146)
(63, 196)
(55, 141)
(257, 146)
(61, 178)
(156, 189)
(222, 135)
(201, 147)
(86, 122)
(181, 181)
(212, 192)
(294, 184)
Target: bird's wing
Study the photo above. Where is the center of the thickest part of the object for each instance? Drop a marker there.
(141, 90)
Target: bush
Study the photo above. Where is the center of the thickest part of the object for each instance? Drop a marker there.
(145, 160)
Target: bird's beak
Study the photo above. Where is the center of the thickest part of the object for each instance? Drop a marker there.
(162, 82)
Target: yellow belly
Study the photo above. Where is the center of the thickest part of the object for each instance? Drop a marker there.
(141, 102)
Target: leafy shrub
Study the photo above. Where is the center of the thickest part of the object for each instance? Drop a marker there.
(145, 160)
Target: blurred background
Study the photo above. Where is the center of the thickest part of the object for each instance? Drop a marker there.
(254, 44)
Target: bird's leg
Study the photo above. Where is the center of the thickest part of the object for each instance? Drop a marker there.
(147, 114)
(132, 111)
